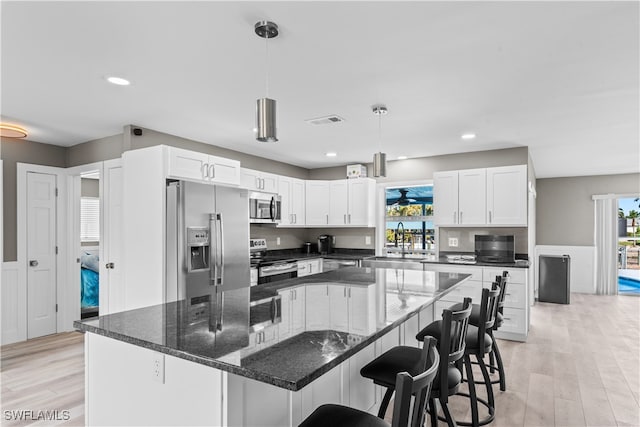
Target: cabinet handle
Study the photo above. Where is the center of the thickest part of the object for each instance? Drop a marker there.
(310, 268)
(257, 183)
(205, 170)
(327, 290)
(349, 292)
(349, 217)
(212, 175)
(460, 217)
(295, 218)
(489, 217)
(327, 218)
(454, 217)
(344, 219)
(344, 290)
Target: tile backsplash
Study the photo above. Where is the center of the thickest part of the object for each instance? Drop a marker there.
(293, 238)
(466, 238)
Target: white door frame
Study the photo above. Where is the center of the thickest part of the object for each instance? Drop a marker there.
(21, 210)
(73, 310)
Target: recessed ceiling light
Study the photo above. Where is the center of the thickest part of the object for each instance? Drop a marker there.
(331, 154)
(402, 157)
(118, 81)
(468, 136)
(12, 131)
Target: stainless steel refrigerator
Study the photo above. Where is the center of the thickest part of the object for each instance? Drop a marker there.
(207, 253)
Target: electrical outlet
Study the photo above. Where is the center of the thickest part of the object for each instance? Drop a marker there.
(277, 241)
(367, 240)
(453, 242)
(158, 367)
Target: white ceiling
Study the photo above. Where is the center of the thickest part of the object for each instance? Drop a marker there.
(558, 77)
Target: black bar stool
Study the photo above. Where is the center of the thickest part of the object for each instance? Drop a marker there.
(417, 386)
(495, 358)
(451, 343)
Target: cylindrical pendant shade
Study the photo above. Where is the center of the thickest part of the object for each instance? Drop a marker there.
(266, 120)
(379, 165)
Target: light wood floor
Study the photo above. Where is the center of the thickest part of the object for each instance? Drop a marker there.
(579, 367)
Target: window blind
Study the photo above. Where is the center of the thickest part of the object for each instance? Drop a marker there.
(89, 219)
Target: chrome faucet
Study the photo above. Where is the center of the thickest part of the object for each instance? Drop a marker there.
(398, 228)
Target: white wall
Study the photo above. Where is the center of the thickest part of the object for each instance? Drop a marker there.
(581, 273)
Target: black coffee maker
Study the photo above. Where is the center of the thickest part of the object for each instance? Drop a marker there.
(325, 244)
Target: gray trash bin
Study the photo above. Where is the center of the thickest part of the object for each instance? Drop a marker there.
(553, 278)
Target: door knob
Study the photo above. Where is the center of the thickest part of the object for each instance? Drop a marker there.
(33, 263)
(109, 265)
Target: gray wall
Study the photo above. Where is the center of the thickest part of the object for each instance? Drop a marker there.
(21, 151)
(564, 211)
(424, 167)
(97, 150)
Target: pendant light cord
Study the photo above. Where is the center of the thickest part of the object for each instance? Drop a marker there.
(379, 131)
(266, 60)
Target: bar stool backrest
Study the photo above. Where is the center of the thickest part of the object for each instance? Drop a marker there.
(488, 311)
(418, 386)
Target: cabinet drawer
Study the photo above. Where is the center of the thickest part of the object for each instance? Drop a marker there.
(516, 296)
(514, 321)
(516, 275)
(469, 289)
(475, 272)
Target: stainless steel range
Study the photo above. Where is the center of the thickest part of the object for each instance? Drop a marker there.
(270, 270)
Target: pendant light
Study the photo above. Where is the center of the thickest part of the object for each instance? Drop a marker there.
(266, 107)
(379, 158)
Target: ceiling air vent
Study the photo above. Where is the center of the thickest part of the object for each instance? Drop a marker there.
(325, 120)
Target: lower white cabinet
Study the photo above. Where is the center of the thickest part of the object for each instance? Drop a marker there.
(309, 266)
(341, 307)
(515, 325)
(293, 312)
(263, 338)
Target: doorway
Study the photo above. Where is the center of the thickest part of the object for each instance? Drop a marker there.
(89, 253)
(629, 246)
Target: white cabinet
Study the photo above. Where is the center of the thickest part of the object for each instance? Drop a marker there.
(477, 197)
(472, 197)
(445, 197)
(293, 312)
(344, 202)
(317, 307)
(263, 338)
(258, 181)
(352, 309)
(361, 203)
(309, 266)
(507, 195)
(195, 166)
(292, 193)
(459, 197)
(317, 203)
(515, 326)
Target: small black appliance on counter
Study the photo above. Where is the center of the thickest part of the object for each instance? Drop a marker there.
(494, 248)
(325, 244)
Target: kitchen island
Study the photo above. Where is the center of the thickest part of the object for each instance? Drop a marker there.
(160, 365)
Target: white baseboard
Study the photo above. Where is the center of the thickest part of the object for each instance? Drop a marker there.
(581, 270)
(13, 301)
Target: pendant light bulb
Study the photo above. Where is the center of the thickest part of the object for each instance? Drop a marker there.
(266, 107)
(379, 158)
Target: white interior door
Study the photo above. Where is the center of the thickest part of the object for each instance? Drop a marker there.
(41, 254)
(111, 296)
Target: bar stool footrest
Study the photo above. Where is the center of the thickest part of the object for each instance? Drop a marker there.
(482, 422)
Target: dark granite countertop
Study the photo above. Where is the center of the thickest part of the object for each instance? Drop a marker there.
(518, 264)
(296, 255)
(169, 328)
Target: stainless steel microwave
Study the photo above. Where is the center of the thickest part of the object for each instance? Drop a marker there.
(264, 208)
(493, 248)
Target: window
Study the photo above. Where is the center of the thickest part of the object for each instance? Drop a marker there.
(413, 207)
(89, 219)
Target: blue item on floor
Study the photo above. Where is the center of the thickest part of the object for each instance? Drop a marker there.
(89, 287)
(627, 285)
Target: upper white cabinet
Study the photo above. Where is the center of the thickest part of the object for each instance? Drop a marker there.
(259, 181)
(292, 193)
(344, 202)
(480, 197)
(507, 195)
(195, 166)
(342, 308)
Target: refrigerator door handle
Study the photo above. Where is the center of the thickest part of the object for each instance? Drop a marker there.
(220, 247)
(213, 252)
